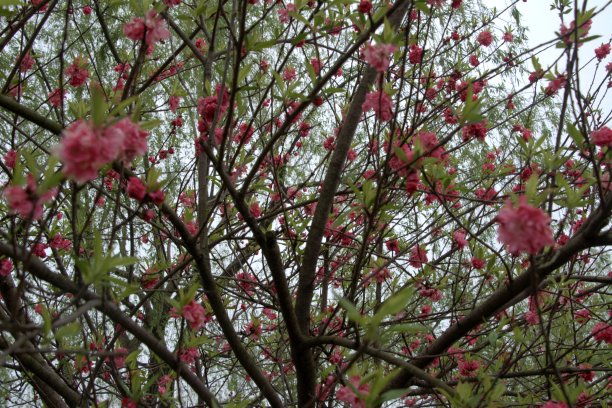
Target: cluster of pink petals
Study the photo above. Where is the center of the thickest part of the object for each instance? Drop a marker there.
(602, 136)
(56, 97)
(553, 86)
(10, 159)
(381, 103)
(485, 38)
(354, 394)
(378, 56)
(208, 106)
(602, 331)
(474, 130)
(602, 51)
(418, 256)
(84, 148)
(524, 229)
(28, 61)
(152, 29)
(25, 201)
(195, 314)
(459, 238)
(569, 34)
(77, 73)
(163, 382)
(6, 266)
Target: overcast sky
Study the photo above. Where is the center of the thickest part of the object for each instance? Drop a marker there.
(542, 23)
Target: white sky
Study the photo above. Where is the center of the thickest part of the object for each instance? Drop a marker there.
(542, 23)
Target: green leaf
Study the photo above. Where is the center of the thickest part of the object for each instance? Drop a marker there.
(98, 105)
(393, 304)
(351, 311)
(69, 330)
(576, 135)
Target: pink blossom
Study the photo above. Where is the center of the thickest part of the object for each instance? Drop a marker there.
(195, 314)
(582, 315)
(602, 51)
(283, 14)
(415, 56)
(157, 197)
(354, 393)
(478, 263)
(133, 137)
(174, 101)
(364, 7)
(524, 229)
(468, 368)
(189, 355)
(127, 402)
(569, 34)
(136, 189)
(255, 210)
(418, 256)
(378, 56)
(56, 97)
(134, 29)
(152, 28)
(156, 29)
(473, 60)
(602, 136)
(209, 105)
(77, 72)
(87, 10)
(119, 358)
(412, 182)
(316, 65)
(459, 238)
(474, 130)
(602, 331)
(10, 159)
(381, 103)
(172, 3)
(28, 61)
(485, 38)
(393, 245)
(26, 201)
(289, 74)
(6, 266)
(253, 329)
(553, 86)
(508, 37)
(163, 382)
(83, 150)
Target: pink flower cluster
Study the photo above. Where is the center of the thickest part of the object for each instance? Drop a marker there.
(152, 29)
(378, 56)
(84, 148)
(354, 393)
(6, 266)
(195, 314)
(418, 256)
(208, 106)
(381, 103)
(602, 136)
(601, 52)
(26, 201)
(77, 72)
(602, 331)
(524, 229)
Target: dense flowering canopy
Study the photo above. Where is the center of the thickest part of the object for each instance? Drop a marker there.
(352, 203)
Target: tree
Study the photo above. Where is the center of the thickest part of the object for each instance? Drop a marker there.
(333, 203)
